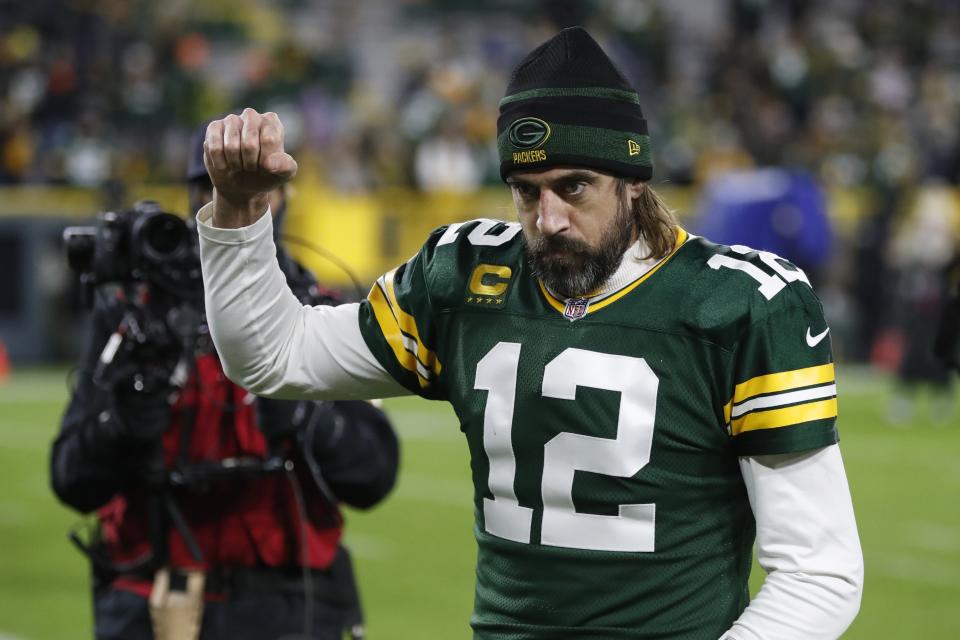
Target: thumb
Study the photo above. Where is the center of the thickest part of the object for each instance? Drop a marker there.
(281, 164)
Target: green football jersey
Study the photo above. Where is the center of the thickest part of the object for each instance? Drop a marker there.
(604, 433)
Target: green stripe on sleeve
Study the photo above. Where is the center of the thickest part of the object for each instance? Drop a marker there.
(585, 92)
(572, 140)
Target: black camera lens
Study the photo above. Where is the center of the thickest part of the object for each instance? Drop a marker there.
(140, 244)
(160, 237)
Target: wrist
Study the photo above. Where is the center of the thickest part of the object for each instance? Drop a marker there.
(233, 213)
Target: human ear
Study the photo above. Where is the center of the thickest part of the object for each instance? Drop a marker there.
(635, 188)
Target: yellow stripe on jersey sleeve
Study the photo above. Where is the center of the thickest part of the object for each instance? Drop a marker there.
(409, 326)
(784, 381)
(400, 331)
(785, 417)
(391, 331)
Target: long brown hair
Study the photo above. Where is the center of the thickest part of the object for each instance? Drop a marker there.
(654, 220)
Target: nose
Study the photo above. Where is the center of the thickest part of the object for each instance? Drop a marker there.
(552, 215)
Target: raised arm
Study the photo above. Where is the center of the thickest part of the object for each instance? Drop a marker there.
(268, 342)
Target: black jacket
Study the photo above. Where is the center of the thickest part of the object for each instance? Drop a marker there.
(94, 458)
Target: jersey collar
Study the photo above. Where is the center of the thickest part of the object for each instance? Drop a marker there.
(631, 273)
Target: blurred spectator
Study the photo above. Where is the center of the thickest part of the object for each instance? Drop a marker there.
(445, 161)
(847, 90)
(773, 210)
(920, 254)
(863, 96)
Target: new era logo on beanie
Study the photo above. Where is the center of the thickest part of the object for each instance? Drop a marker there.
(568, 104)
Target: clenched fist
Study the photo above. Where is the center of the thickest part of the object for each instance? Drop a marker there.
(245, 159)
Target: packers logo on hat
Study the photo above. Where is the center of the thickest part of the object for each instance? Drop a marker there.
(527, 133)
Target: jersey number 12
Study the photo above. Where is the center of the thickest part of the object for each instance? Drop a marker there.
(632, 530)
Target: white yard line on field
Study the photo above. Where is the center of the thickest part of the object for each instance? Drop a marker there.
(423, 488)
(932, 536)
(914, 569)
(367, 547)
(424, 425)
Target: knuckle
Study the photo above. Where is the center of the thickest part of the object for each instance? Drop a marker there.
(270, 136)
(273, 120)
(214, 131)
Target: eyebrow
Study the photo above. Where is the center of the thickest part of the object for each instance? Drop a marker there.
(574, 176)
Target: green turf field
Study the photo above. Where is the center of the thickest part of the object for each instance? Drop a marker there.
(415, 553)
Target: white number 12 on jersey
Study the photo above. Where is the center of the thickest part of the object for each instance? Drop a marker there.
(633, 529)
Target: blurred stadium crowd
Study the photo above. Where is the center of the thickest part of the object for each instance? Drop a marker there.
(863, 95)
(860, 92)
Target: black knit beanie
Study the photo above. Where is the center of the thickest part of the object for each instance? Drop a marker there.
(568, 104)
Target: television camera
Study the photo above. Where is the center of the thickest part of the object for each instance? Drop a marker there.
(142, 264)
(150, 259)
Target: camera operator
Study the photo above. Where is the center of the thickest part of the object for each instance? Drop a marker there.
(217, 511)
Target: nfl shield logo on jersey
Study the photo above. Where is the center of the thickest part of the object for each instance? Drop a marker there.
(575, 308)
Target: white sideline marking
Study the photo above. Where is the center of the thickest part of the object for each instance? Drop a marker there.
(367, 547)
(425, 426)
(12, 513)
(933, 536)
(423, 488)
(909, 568)
(32, 395)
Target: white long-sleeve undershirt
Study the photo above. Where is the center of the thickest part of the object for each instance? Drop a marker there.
(274, 346)
(268, 341)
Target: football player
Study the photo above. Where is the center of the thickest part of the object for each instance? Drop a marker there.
(640, 404)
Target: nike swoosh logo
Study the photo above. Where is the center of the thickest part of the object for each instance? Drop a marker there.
(813, 341)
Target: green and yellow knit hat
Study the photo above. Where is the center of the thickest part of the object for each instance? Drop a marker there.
(568, 104)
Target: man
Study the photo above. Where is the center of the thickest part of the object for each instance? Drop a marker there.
(946, 344)
(217, 511)
(638, 403)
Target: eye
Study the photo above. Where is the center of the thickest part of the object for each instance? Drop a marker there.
(525, 191)
(573, 188)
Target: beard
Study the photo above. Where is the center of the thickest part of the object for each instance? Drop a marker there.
(573, 268)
